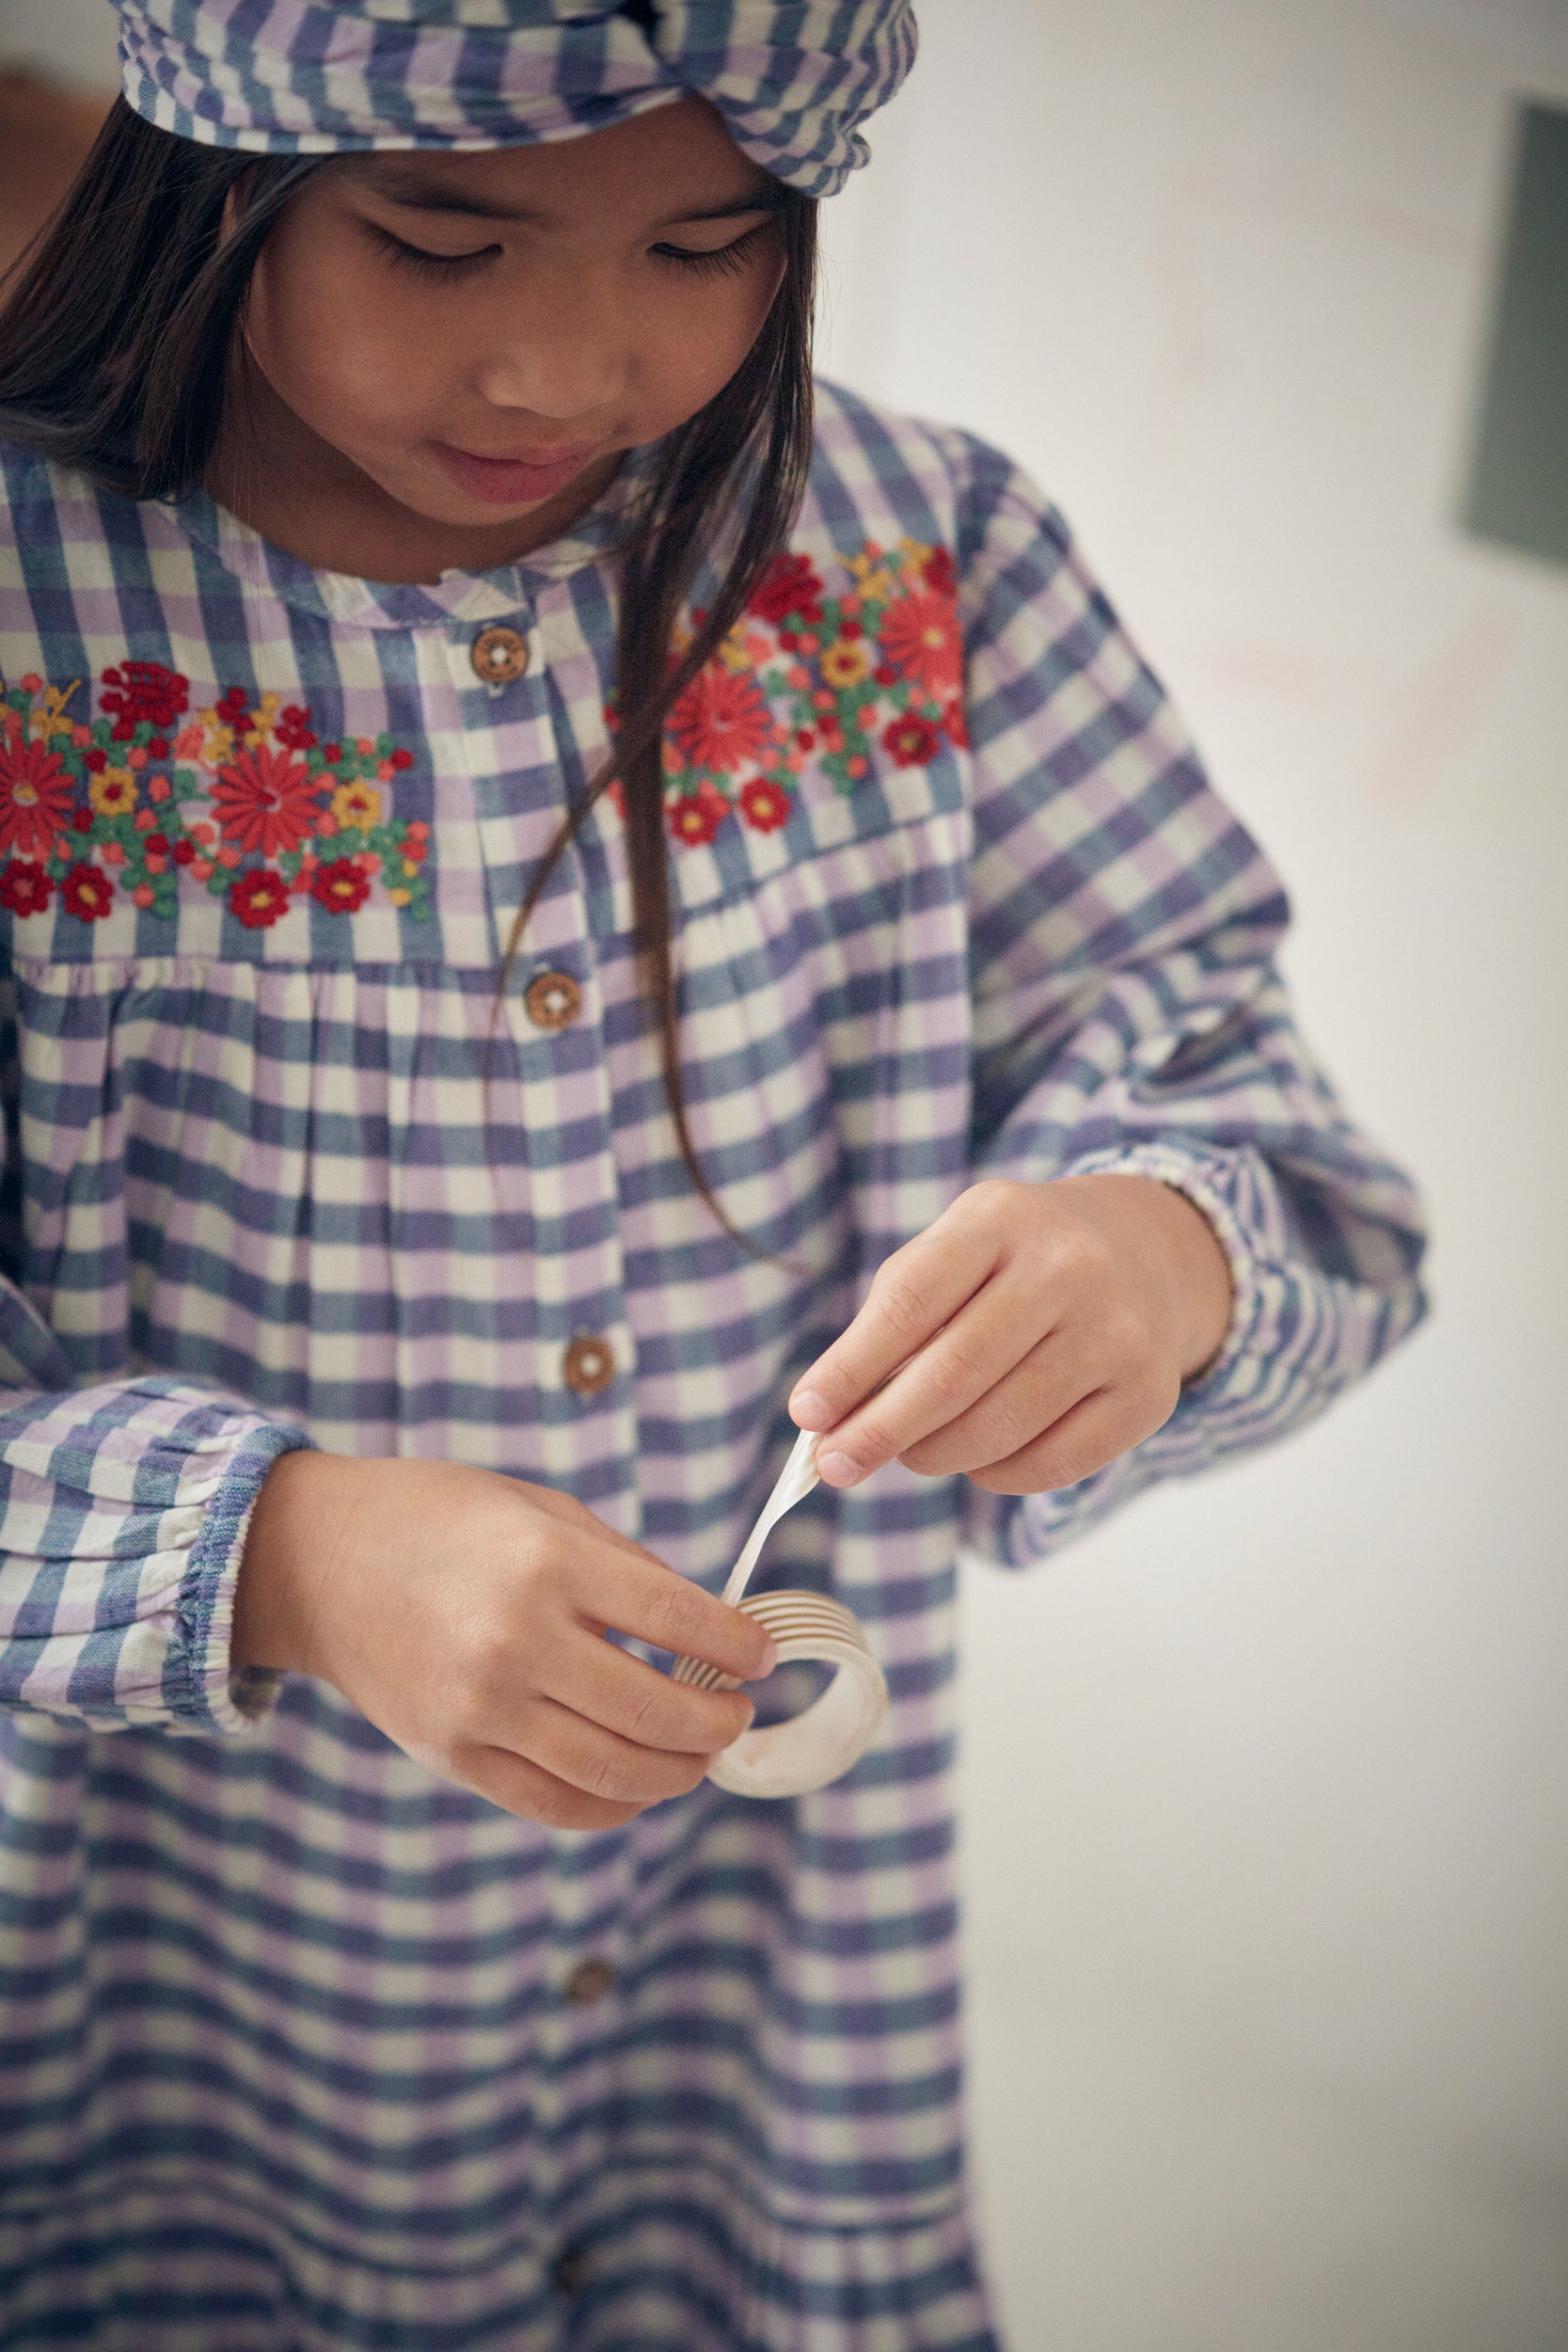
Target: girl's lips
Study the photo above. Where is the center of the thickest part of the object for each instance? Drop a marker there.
(509, 481)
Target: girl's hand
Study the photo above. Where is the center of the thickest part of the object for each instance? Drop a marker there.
(1028, 1337)
(465, 1614)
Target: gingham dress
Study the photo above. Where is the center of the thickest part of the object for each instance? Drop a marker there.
(303, 2049)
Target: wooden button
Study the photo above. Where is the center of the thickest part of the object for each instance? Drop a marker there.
(589, 1366)
(569, 2271)
(499, 656)
(590, 1980)
(552, 1000)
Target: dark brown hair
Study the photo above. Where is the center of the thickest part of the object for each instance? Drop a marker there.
(115, 348)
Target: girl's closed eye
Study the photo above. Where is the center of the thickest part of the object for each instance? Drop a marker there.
(405, 256)
(721, 261)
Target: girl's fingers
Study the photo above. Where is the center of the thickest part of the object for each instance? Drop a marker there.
(637, 1595)
(966, 1361)
(520, 1786)
(600, 1763)
(914, 1292)
(633, 1699)
(1030, 1401)
(1095, 1431)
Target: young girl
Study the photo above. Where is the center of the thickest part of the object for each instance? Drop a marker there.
(564, 923)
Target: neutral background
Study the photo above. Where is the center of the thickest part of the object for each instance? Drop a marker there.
(1266, 1790)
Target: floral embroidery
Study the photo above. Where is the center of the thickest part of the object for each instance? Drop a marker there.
(247, 799)
(807, 674)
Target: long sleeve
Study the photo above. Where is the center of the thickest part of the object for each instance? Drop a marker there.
(123, 1511)
(1129, 1015)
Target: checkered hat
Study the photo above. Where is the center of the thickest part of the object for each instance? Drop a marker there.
(791, 78)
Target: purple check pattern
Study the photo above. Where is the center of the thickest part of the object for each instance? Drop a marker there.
(290, 2061)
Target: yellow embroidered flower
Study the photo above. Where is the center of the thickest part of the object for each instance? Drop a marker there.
(219, 739)
(846, 663)
(357, 805)
(732, 651)
(113, 791)
(261, 721)
(400, 897)
(48, 717)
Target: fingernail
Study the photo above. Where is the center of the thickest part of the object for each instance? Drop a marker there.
(839, 1470)
(808, 1410)
(769, 1660)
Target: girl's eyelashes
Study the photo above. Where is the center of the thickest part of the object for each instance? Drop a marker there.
(723, 262)
(405, 256)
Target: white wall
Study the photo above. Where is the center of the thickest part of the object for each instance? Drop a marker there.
(1266, 1783)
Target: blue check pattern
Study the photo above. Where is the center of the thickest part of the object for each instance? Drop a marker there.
(296, 2056)
(792, 79)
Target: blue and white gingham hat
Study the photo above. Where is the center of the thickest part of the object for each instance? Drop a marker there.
(791, 78)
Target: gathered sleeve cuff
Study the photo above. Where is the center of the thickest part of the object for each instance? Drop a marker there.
(124, 1514)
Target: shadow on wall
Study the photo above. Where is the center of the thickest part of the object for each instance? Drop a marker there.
(44, 136)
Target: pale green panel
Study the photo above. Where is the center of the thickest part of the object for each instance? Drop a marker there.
(1518, 488)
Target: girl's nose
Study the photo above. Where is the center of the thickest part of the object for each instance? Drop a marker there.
(566, 359)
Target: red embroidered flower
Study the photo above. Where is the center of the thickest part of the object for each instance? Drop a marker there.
(913, 741)
(694, 818)
(340, 885)
(720, 721)
(940, 576)
(764, 804)
(920, 636)
(144, 690)
(24, 887)
(789, 585)
(35, 795)
(402, 759)
(956, 720)
(230, 706)
(294, 729)
(258, 898)
(265, 800)
(87, 892)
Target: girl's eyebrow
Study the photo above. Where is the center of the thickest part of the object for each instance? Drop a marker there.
(424, 195)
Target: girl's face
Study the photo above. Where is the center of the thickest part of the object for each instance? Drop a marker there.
(480, 335)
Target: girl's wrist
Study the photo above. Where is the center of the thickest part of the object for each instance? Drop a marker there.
(293, 1523)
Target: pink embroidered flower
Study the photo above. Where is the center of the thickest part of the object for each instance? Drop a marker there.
(35, 796)
(694, 818)
(764, 804)
(920, 636)
(265, 800)
(341, 886)
(86, 894)
(913, 741)
(258, 898)
(720, 721)
(189, 742)
(24, 887)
